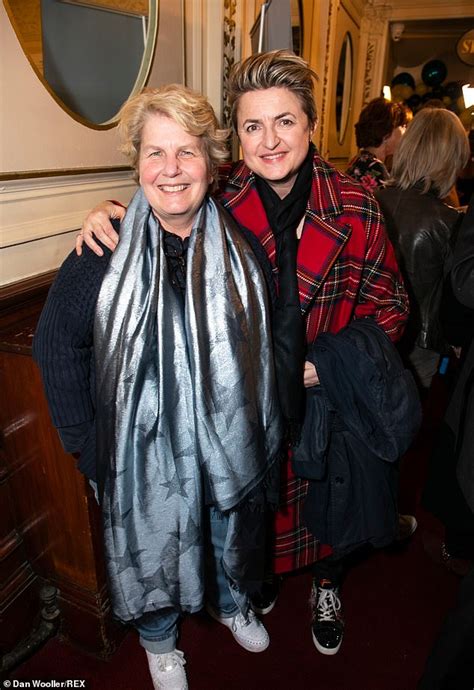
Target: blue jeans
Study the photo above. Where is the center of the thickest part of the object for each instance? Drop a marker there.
(158, 630)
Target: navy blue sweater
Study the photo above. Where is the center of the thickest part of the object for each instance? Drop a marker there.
(63, 350)
(63, 347)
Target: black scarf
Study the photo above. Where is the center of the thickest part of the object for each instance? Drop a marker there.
(289, 338)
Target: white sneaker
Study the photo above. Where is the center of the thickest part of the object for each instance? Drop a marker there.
(167, 670)
(250, 633)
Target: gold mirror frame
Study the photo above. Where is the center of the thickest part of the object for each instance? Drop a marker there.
(143, 73)
(344, 86)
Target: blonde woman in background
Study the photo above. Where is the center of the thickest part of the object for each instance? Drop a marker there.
(429, 157)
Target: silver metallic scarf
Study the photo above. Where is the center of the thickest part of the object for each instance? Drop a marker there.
(187, 410)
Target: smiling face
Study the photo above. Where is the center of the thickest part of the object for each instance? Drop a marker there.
(274, 132)
(173, 172)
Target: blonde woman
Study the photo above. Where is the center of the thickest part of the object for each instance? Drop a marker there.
(430, 156)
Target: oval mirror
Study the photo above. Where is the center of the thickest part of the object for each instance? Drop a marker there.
(344, 87)
(91, 55)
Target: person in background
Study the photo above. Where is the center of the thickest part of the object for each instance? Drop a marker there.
(379, 131)
(325, 238)
(450, 663)
(452, 198)
(420, 225)
(158, 370)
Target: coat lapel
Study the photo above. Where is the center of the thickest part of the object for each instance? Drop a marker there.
(324, 232)
(241, 199)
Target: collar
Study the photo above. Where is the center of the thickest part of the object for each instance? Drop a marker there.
(325, 194)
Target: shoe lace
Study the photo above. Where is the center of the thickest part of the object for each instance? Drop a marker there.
(328, 605)
(241, 622)
(169, 661)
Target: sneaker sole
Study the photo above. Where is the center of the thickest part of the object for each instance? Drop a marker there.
(267, 609)
(324, 650)
(247, 646)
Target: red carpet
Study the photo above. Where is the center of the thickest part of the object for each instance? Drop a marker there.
(394, 602)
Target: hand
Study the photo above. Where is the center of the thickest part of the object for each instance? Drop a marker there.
(311, 377)
(97, 224)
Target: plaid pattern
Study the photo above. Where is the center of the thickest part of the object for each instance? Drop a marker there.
(346, 269)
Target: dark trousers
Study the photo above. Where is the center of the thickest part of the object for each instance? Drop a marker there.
(450, 665)
(331, 568)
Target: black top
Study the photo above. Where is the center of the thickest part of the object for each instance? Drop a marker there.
(175, 249)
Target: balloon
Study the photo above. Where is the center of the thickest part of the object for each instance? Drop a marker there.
(403, 78)
(414, 102)
(401, 92)
(421, 89)
(453, 89)
(428, 96)
(434, 72)
(396, 93)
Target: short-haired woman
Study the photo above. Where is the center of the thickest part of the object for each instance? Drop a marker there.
(430, 156)
(379, 130)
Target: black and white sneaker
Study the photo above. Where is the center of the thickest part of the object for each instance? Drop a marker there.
(327, 625)
(263, 602)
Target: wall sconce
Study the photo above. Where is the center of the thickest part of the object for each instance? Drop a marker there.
(467, 116)
(468, 95)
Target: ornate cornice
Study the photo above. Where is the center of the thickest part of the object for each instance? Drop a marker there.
(378, 10)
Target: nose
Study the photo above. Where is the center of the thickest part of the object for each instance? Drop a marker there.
(171, 166)
(270, 137)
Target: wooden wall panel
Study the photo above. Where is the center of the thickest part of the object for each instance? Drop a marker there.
(50, 520)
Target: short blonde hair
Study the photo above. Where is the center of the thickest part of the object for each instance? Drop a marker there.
(187, 108)
(277, 68)
(432, 153)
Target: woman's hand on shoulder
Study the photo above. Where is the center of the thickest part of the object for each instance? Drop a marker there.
(97, 225)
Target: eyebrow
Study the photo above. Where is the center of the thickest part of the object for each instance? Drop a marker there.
(250, 120)
(157, 147)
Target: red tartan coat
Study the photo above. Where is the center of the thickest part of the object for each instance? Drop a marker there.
(346, 270)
